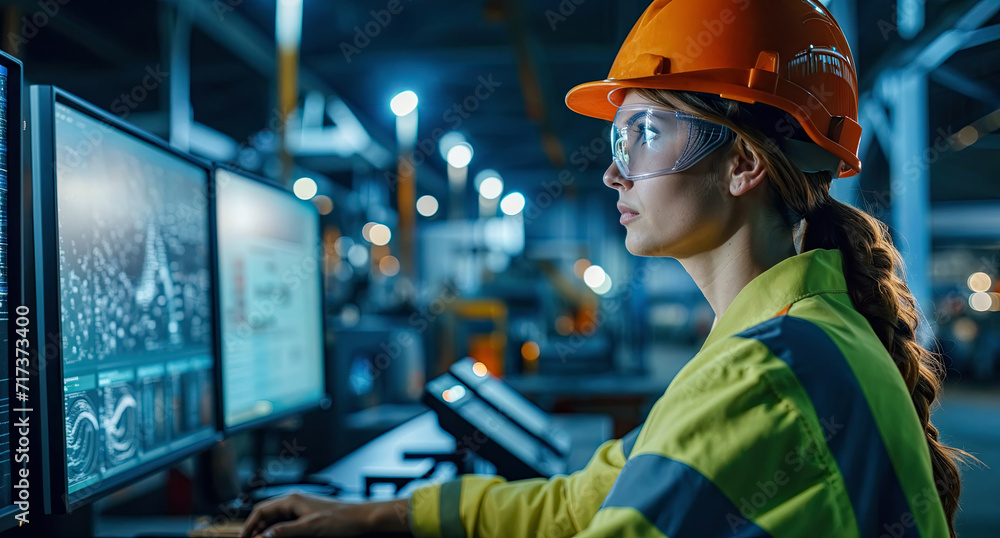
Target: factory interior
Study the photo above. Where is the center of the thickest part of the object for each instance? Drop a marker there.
(359, 250)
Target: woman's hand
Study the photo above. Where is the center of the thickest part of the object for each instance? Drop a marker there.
(302, 514)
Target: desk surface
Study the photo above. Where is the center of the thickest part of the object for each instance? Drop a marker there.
(384, 454)
(381, 456)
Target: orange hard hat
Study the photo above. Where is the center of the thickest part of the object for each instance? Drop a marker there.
(788, 54)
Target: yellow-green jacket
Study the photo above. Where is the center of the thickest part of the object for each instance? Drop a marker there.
(791, 421)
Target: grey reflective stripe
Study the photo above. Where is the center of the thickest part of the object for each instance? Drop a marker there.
(678, 500)
(629, 441)
(852, 434)
(448, 506)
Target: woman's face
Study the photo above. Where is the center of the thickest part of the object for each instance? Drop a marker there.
(675, 215)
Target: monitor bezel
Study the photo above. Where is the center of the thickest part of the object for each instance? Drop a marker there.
(44, 100)
(15, 170)
(324, 401)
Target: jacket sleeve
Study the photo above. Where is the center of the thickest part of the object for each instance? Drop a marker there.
(723, 453)
(477, 505)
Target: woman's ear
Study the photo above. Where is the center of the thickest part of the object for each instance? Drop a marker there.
(747, 170)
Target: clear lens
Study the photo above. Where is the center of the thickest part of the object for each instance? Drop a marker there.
(649, 141)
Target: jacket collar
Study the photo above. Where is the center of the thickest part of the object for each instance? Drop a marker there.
(790, 280)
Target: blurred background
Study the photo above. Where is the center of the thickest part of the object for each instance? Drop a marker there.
(462, 207)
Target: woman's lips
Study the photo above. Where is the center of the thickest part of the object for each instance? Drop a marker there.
(628, 214)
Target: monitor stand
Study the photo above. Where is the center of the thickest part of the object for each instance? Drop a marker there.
(257, 488)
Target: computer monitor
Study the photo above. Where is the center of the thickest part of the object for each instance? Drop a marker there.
(125, 293)
(270, 301)
(10, 178)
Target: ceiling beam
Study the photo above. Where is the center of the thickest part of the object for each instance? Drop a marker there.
(982, 36)
(943, 34)
(951, 41)
(955, 80)
(257, 50)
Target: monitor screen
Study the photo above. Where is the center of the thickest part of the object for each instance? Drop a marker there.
(270, 300)
(135, 301)
(5, 454)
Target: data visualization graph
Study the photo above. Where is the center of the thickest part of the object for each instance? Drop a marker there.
(83, 438)
(120, 421)
(153, 408)
(135, 299)
(133, 246)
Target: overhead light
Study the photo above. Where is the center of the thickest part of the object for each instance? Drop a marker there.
(594, 276)
(288, 24)
(427, 205)
(380, 234)
(305, 188)
(512, 204)
(491, 188)
(460, 155)
(403, 103)
(979, 282)
(980, 302)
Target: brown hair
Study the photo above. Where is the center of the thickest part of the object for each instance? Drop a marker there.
(871, 261)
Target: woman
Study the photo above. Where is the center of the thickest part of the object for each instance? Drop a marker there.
(806, 412)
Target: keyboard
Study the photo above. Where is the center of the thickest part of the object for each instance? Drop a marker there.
(229, 528)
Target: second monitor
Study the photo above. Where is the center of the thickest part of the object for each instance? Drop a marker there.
(270, 290)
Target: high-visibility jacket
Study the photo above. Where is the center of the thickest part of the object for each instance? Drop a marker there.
(792, 420)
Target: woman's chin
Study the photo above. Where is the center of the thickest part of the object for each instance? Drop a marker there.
(637, 247)
(659, 247)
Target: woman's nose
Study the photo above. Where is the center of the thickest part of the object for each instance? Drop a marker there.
(613, 178)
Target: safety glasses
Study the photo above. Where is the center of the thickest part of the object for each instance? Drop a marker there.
(649, 141)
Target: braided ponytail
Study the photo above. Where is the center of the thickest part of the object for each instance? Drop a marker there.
(870, 263)
(883, 298)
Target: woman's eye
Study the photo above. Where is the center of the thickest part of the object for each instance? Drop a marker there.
(641, 133)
